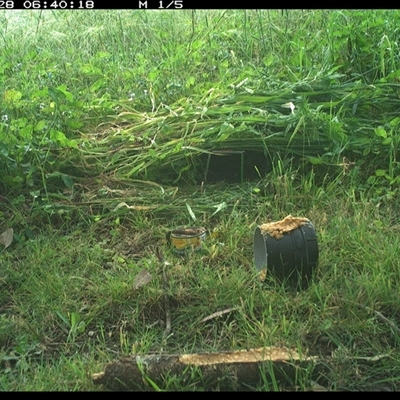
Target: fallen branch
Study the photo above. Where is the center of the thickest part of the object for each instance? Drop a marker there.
(232, 370)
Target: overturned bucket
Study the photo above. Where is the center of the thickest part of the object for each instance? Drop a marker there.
(287, 249)
(183, 239)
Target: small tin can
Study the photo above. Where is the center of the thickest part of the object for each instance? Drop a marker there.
(183, 239)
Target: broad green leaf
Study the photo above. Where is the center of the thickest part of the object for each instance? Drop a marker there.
(26, 132)
(61, 139)
(366, 151)
(17, 179)
(190, 81)
(153, 153)
(153, 75)
(55, 94)
(381, 132)
(268, 60)
(73, 124)
(87, 69)
(98, 85)
(40, 125)
(68, 181)
(103, 54)
(380, 172)
(68, 95)
(394, 122)
(315, 160)
(196, 44)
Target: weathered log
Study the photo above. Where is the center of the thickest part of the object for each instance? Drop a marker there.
(231, 370)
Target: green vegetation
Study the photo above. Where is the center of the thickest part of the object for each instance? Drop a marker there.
(109, 120)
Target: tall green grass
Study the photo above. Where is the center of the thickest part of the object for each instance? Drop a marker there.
(196, 81)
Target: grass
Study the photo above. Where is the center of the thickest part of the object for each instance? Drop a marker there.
(69, 306)
(104, 118)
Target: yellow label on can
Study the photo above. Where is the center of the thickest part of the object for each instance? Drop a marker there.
(181, 243)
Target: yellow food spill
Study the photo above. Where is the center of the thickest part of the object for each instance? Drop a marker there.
(288, 224)
(243, 356)
(263, 275)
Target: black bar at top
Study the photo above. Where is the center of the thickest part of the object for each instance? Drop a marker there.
(119, 5)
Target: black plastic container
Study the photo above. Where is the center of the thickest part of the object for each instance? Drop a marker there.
(292, 258)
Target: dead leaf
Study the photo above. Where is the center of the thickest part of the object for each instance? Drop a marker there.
(6, 237)
(142, 278)
(289, 105)
(316, 387)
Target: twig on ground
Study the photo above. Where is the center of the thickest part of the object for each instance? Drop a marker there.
(218, 314)
(373, 358)
(379, 315)
(164, 263)
(167, 309)
(384, 319)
